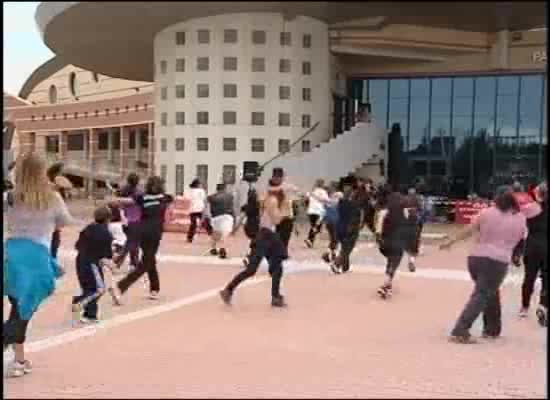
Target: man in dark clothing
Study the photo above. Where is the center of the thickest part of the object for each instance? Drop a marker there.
(94, 248)
(222, 219)
(350, 218)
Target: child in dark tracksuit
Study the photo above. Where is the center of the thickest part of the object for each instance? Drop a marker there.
(94, 248)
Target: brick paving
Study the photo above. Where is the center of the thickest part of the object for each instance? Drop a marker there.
(336, 339)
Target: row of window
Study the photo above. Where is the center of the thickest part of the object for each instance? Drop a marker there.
(258, 64)
(229, 175)
(76, 141)
(230, 144)
(232, 36)
(230, 118)
(85, 114)
(230, 91)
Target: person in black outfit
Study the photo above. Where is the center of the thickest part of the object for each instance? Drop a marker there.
(153, 204)
(54, 171)
(267, 244)
(392, 237)
(94, 248)
(349, 223)
(536, 255)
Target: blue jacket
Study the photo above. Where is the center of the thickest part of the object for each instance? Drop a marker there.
(29, 274)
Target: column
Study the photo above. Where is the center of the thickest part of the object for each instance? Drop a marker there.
(151, 149)
(63, 145)
(110, 145)
(137, 133)
(124, 150)
(92, 158)
(500, 50)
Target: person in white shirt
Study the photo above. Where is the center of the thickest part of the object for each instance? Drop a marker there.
(116, 228)
(197, 196)
(316, 210)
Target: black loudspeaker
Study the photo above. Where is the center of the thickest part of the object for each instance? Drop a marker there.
(250, 171)
(394, 156)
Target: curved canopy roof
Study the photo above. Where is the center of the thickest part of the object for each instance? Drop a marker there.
(116, 38)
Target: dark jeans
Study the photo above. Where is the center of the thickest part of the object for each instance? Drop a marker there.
(149, 243)
(315, 226)
(393, 260)
(194, 218)
(535, 261)
(487, 275)
(132, 244)
(55, 243)
(414, 245)
(284, 229)
(268, 244)
(333, 240)
(346, 247)
(15, 329)
(92, 283)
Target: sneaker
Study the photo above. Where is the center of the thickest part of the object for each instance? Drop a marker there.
(278, 301)
(309, 243)
(17, 369)
(76, 311)
(462, 339)
(412, 267)
(88, 321)
(114, 291)
(384, 291)
(154, 295)
(486, 335)
(226, 296)
(542, 316)
(335, 268)
(213, 252)
(523, 313)
(222, 254)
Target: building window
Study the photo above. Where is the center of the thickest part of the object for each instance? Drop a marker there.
(257, 145)
(203, 90)
(306, 146)
(202, 144)
(285, 39)
(258, 118)
(53, 94)
(284, 92)
(180, 118)
(284, 65)
(73, 84)
(284, 145)
(258, 64)
(180, 38)
(103, 141)
(52, 144)
(306, 121)
(230, 36)
(144, 138)
(163, 144)
(307, 41)
(180, 64)
(229, 90)
(203, 63)
(229, 174)
(180, 179)
(180, 144)
(202, 118)
(230, 63)
(75, 142)
(229, 117)
(180, 91)
(164, 93)
(202, 174)
(306, 94)
(229, 144)
(258, 91)
(163, 119)
(306, 68)
(203, 36)
(163, 172)
(163, 67)
(284, 119)
(132, 138)
(258, 37)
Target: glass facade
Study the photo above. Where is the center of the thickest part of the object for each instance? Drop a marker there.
(463, 134)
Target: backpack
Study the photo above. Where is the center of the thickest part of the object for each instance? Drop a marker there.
(252, 212)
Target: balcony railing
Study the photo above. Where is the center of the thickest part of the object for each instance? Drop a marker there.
(98, 168)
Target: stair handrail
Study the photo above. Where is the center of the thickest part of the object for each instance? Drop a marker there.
(307, 133)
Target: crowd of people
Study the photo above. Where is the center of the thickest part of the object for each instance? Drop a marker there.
(132, 223)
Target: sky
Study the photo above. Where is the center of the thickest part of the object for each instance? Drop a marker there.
(24, 50)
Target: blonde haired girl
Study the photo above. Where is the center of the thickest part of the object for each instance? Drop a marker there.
(35, 209)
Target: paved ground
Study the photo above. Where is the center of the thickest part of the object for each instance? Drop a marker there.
(336, 339)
